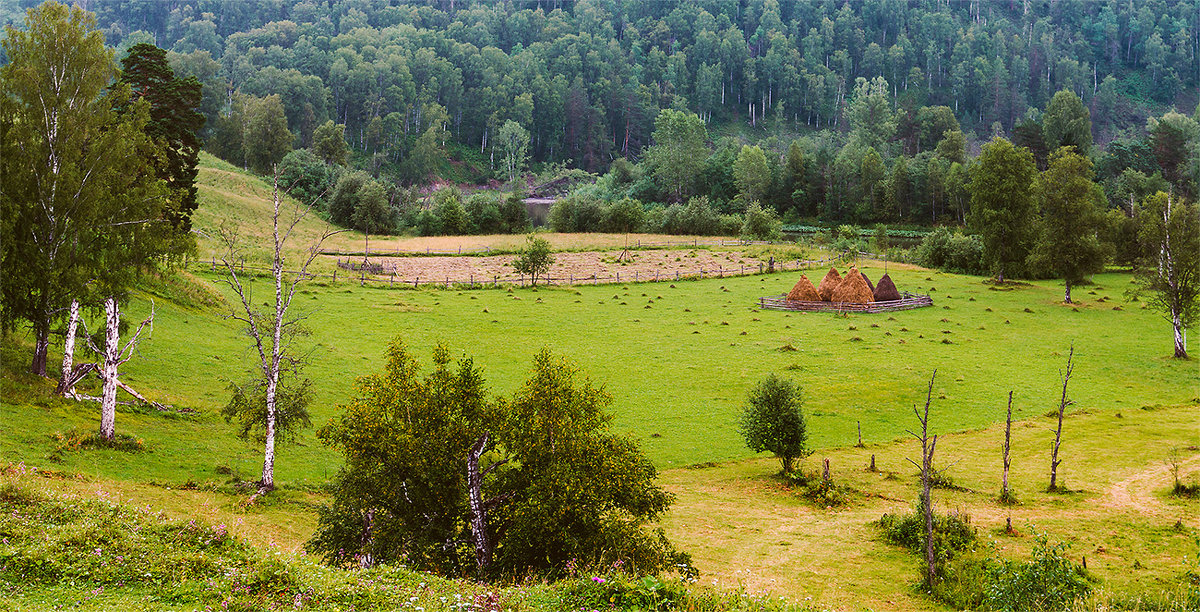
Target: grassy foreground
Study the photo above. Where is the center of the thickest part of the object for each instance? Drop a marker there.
(678, 359)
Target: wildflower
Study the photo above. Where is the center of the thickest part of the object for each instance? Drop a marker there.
(597, 579)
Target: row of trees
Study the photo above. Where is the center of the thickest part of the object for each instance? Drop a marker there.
(868, 176)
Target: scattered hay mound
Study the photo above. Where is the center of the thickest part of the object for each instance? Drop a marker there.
(852, 290)
(870, 285)
(829, 284)
(886, 290)
(804, 291)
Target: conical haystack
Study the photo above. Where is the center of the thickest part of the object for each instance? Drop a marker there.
(804, 291)
(886, 290)
(828, 284)
(853, 290)
(870, 285)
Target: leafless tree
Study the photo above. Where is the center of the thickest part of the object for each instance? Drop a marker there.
(271, 332)
(1006, 495)
(112, 356)
(1062, 408)
(927, 474)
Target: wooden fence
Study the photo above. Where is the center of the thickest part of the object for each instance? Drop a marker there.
(907, 302)
(354, 271)
(487, 250)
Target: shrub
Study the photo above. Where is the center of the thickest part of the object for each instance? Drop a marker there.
(1048, 581)
(772, 421)
(760, 223)
(951, 251)
(952, 534)
(535, 259)
(697, 217)
(624, 216)
(484, 214)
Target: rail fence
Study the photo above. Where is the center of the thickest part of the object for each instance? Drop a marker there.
(908, 301)
(376, 274)
(487, 250)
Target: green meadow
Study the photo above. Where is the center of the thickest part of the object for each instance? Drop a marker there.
(678, 358)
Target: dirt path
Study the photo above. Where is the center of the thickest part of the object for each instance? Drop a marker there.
(1136, 493)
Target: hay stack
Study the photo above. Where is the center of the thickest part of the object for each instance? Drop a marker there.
(853, 290)
(804, 291)
(886, 290)
(829, 284)
(870, 285)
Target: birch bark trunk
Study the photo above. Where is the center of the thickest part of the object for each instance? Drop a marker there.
(112, 356)
(68, 364)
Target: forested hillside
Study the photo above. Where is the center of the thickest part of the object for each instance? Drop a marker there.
(882, 97)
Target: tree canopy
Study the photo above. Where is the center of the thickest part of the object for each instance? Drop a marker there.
(81, 208)
(444, 476)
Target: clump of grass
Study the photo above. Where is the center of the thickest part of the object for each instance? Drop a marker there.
(73, 440)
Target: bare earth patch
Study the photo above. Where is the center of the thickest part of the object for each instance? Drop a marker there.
(574, 267)
(1136, 493)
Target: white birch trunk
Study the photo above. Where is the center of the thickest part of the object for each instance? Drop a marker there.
(68, 363)
(108, 371)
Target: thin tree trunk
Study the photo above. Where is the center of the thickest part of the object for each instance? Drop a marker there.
(1004, 492)
(112, 356)
(927, 448)
(1062, 407)
(1067, 295)
(68, 363)
(1177, 324)
(41, 348)
(483, 547)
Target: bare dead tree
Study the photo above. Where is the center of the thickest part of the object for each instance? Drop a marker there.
(1063, 402)
(112, 357)
(927, 474)
(271, 332)
(1006, 495)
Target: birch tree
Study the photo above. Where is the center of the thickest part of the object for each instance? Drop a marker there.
(272, 332)
(1169, 270)
(80, 207)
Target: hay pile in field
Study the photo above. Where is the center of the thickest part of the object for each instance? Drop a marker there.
(804, 291)
(870, 285)
(828, 284)
(886, 290)
(852, 290)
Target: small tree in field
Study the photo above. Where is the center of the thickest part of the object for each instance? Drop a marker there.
(535, 259)
(1169, 269)
(772, 421)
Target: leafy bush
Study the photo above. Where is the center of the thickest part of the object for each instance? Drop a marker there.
(535, 259)
(819, 490)
(771, 420)
(951, 251)
(696, 218)
(760, 223)
(564, 487)
(1048, 581)
(952, 534)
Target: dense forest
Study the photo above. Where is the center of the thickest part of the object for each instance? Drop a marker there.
(886, 101)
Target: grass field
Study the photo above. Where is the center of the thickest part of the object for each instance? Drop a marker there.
(678, 359)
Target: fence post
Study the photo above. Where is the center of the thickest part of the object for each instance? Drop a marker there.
(677, 275)
(656, 276)
(392, 280)
(417, 282)
(701, 273)
(334, 275)
(618, 277)
(635, 277)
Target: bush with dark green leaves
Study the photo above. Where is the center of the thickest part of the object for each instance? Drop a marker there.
(560, 487)
(952, 251)
(952, 534)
